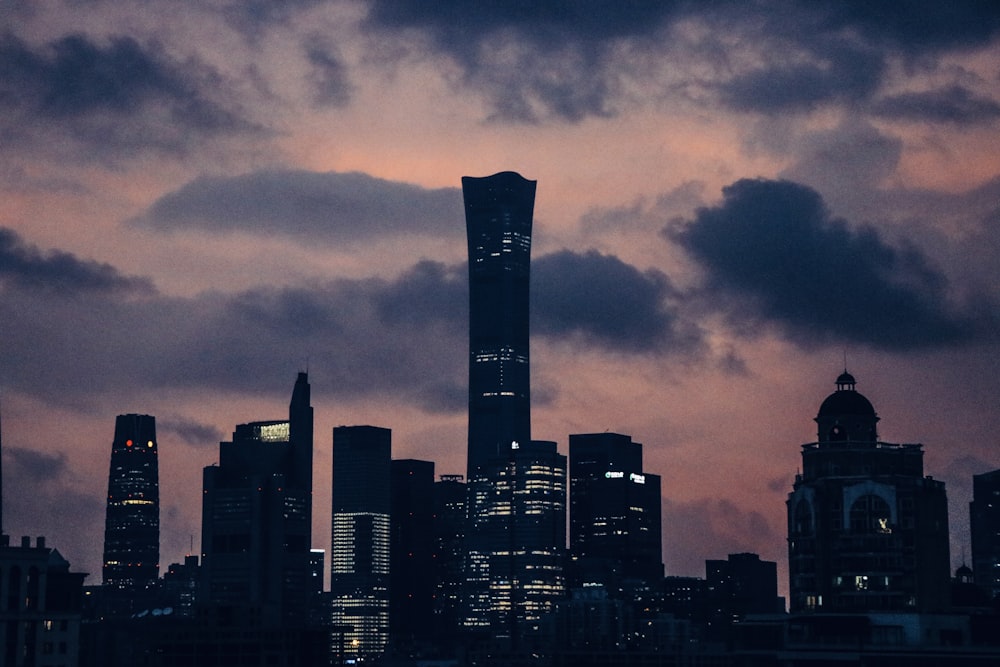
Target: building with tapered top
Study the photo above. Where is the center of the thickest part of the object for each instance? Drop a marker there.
(131, 564)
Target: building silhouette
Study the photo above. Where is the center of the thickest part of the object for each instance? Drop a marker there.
(867, 532)
(498, 217)
(984, 515)
(257, 517)
(360, 553)
(614, 521)
(412, 552)
(132, 520)
(449, 550)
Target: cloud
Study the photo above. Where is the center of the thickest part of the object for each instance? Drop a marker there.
(772, 251)
(916, 26)
(113, 98)
(26, 266)
(833, 73)
(955, 104)
(604, 302)
(534, 60)
(38, 467)
(189, 432)
(405, 337)
(712, 529)
(312, 207)
(327, 74)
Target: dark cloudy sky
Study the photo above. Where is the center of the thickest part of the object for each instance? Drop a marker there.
(202, 199)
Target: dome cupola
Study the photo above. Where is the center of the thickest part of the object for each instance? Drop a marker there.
(846, 415)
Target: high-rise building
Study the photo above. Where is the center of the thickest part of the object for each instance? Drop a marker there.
(498, 217)
(449, 547)
(867, 531)
(984, 515)
(614, 519)
(257, 517)
(412, 551)
(132, 519)
(741, 585)
(516, 487)
(360, 553)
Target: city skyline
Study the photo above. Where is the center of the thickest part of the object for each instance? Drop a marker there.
(192, 219)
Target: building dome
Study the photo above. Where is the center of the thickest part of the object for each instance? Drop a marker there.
(846, 400)
(846, 414)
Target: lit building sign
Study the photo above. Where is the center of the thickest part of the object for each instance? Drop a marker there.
(614, 474)
(637, 478)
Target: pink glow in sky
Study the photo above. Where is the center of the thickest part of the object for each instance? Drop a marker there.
(200, 200)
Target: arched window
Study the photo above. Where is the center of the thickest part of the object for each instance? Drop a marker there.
(870, 514)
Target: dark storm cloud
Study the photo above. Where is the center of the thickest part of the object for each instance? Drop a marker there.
(533, 59)
(774, 250)
(837, 74)
(569, 59)
(955, 104)
(916, 25)
(26, 266)
(190, 432)
(315, 207)
(603, 301)
(34, 467)
(327, 74)
(113, 96)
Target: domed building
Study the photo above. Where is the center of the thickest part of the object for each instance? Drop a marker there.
(867, 532)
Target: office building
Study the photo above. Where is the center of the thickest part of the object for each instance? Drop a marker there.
(449, 550)
(132, 520)
(504, 595)
(614, 520)
(867, 531)
(257, 517)
(360, 553)
(984, 515)
(498, 216)
(412, 552)
(40, 606)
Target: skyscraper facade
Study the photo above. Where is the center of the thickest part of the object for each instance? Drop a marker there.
(866, 530)
(257, 517)
(614, 520)
(412, 551)
(498, 217)
(132, 519)
(984, 521)
(360, 553)
(498, 214)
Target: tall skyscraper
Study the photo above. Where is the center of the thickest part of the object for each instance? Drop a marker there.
(257, 516)
(412, 551)
(866, 530)
(498, 217)
(503, 595)
(449, 544)
(984, 521)
(615, 528)
(132, 519)
(360, 553)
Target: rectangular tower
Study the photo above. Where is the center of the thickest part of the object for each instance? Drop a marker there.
(615, 529)
(412, 547)
(257, 517)
(984, 521)
(359, 557)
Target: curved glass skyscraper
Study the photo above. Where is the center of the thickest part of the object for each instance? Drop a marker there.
(498, 216)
